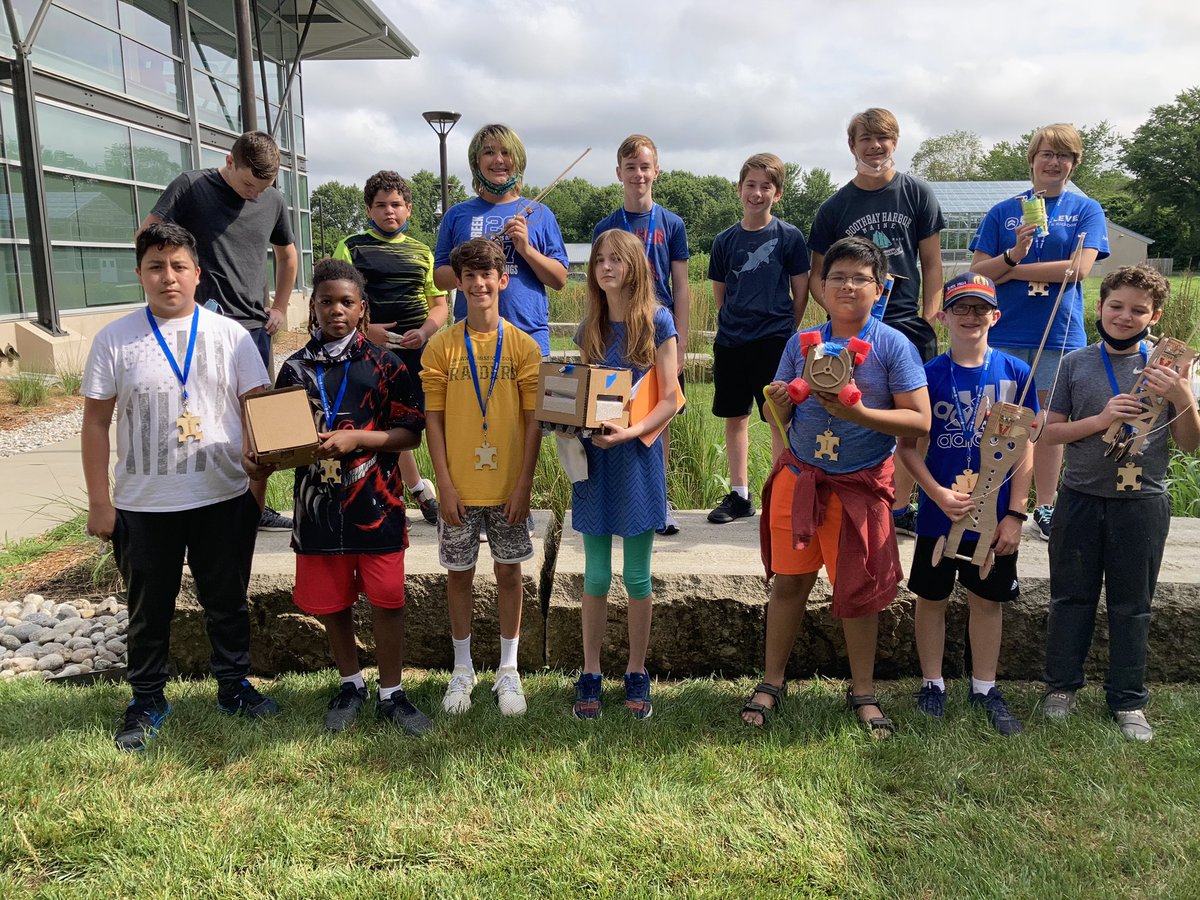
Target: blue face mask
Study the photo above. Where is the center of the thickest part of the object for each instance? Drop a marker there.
(387, 233)
(498, 189)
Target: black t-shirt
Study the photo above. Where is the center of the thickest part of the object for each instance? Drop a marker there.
(232, 235)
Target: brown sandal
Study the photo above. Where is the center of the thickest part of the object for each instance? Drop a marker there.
(877, 726)
(778, 692)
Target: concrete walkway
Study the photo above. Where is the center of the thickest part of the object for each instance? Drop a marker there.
(40, 489)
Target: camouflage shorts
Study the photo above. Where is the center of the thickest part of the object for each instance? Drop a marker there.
(458, 545)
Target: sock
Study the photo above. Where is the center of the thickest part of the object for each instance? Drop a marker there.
(981, 687)
(385, 693)
(508, 652)
(418, 490)
(356, 679)
(742, 491)
(462, 653)
(939, 683)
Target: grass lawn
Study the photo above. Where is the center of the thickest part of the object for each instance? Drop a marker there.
(687, 803)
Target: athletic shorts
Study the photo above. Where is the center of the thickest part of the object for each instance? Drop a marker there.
(458, 545)
(740, 373)
(821, 550)
(937, 582)
(329, 583)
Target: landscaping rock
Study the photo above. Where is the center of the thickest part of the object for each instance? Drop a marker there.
(9, 641)
(69, 671)
(32, 650)
(50, 662)
(65, 611)
(82, 654)
(25, 631)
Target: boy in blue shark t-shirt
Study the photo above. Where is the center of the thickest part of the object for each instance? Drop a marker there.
(969, 375)
(759, 270)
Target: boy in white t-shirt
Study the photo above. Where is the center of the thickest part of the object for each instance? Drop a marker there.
(175, 375)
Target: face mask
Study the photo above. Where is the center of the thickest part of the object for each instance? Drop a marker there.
(865, 168)
(498, 189)
(387, 233)
(1120, 343)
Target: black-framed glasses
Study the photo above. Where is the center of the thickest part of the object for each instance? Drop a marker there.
(855, 281)
(971, 309)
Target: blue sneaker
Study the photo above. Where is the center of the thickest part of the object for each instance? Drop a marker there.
(931, 700)
(637, 694)
(244, 699)
(1043, 516)
(997, 710)
(143, 718)
(587, 697)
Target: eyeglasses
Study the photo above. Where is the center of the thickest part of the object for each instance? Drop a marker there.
(971, 309)
(855, 281)
(1050, 156)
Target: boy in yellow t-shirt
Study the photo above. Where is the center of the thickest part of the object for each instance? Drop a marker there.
(480, 378)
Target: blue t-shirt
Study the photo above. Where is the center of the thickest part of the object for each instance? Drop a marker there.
(523, 302)
(892, 367)
(1023, 318)
(756, 268)
(626, 489)
(668, 245)
(954, 444)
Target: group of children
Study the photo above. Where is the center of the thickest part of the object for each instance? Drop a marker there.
(380, 368)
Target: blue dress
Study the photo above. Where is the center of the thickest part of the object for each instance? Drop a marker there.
(626, 489)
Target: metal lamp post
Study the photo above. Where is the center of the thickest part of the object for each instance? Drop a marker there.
(441, 122)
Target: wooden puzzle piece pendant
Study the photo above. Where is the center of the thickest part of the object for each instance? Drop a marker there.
(827, 446)
(189, 427)
(485, 456)
(331, 471)
(1129, 477)
(965, 482)
(1039, 289)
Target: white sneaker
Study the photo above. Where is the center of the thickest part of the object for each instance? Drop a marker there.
(458, 693)
(509, 695)
(1133, 725)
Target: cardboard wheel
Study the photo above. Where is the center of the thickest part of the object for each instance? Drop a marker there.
(986, 569)
(938, 548)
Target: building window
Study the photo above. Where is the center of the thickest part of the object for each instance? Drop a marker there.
(83, 143)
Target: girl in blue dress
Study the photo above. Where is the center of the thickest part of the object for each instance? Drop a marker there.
(625, 493)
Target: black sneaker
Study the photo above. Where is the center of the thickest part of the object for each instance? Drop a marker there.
(905, 520)
(143, 718)
(273, 521)
(734, 506)
(426, 498)
(244, 699)
(344, 707)
(398, 710)
(1042, 517)
(1002, 720)
(931, 700)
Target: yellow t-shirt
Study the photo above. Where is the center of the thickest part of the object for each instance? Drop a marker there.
(446, 377)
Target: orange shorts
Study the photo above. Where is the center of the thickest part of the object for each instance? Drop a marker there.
(329, 583)
(823, 548)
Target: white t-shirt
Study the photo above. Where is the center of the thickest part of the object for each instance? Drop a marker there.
(155, 472)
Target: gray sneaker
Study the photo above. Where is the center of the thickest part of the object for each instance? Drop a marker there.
(344, 707)
(1133, 724)
(1058, 704)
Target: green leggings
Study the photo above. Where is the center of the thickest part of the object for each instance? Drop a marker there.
(597, 564)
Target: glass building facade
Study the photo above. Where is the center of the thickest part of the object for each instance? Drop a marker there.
(129, 93)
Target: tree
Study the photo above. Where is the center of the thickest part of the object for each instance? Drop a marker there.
(1005, 161)
(1164, 157)
(803, 194)
(427, 199)
(337, 210)
(948, 157)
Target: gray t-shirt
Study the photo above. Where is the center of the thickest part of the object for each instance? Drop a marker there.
(232, 236)
(1083, 390)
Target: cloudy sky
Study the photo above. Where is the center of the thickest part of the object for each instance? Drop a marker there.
(713, 81)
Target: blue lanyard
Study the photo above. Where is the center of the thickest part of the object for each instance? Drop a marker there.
(191, 348)
(1112, 378)
(483, 404)
(649, 230)
(332, 411)
(966, 419)
(827, 331)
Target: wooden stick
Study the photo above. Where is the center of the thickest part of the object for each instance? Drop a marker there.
(1072, 274)
(528, 209)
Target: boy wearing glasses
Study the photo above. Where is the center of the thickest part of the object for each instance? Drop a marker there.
(969, 377)
(828, 500)
(759, 270)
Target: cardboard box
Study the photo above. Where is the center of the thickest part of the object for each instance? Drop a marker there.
(282, 429)
(583, 396)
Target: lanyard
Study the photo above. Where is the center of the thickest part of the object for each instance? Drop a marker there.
(483, 404)
(191, 348)
(968, 416)
(649, 229)
(332, 411)
(1112, 378)
(827, 331)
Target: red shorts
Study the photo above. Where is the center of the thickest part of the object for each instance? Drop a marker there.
(328, 584)
(823, 548)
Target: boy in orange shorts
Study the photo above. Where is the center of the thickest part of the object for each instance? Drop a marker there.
(828, 500)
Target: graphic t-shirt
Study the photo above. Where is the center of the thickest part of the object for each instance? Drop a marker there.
(155, 471)
(668, 245)
(399, 276)
(361, 509)
(756, 268)
(953, 442)
(446, 376)
(524, 301)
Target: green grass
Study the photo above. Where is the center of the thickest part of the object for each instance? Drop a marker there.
(28, 389)
(689, 803)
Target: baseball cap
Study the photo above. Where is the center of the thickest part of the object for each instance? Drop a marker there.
(969, 284)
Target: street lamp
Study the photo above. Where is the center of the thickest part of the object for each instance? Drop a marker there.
(441, 122)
